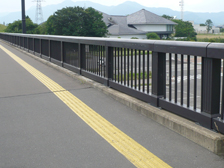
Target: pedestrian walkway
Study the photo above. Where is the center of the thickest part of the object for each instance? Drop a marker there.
(48, 119)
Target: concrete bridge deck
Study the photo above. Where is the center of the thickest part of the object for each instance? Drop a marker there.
(49, 119)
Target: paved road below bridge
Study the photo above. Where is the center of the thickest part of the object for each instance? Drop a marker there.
(44, 123)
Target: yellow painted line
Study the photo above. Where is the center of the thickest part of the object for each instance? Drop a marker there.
(133, 151)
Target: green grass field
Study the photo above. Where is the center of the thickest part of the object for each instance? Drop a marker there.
(2, 27)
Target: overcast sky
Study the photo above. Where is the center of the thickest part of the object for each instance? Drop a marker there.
(189, 5)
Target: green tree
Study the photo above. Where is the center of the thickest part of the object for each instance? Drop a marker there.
(2, 28)
(167, 17)
(209, 25)
(76, 21)
(153, 36)
(184, 29)
(16, 26)
(41, 29)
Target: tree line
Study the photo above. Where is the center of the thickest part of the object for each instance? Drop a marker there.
(70, 21)
(186, 29)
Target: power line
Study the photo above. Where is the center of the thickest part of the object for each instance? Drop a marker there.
(39, 12)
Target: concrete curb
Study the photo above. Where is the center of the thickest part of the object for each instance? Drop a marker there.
(208, 139)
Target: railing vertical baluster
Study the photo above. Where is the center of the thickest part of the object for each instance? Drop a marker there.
(98, 61)
(143, 89)
(222, 110)
(182, 79)
(95, 55)
(136, 69)
(202, 79)
(175, 78)
(115, 63)
(118, 66)
(95, 58)
(125, 66)
(139, 70)
(195, 82)
(188, 80)
(170, 76)
(91, 60)
(128, 67)
(105, 60)
(165, 66)
(148, 73)
(102, 61)
(132, 55)
(89, 57)
(121, 65)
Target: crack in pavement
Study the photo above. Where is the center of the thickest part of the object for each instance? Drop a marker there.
(33, 94)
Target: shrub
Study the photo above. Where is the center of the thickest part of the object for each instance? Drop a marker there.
(153, 36)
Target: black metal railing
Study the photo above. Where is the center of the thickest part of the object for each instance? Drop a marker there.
(185, 78)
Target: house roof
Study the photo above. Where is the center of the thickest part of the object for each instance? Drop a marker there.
(124, 25)
(145, 17)
(123, 30)
(117, 25)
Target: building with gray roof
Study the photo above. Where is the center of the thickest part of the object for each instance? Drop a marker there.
(137, 25)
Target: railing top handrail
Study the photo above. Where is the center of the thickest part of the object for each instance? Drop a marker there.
(215, 50)
(204, 49)
(182, 47)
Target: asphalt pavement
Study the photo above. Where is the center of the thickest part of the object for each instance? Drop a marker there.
(38, 130)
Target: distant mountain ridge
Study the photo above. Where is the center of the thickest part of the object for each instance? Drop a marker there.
(125, 8)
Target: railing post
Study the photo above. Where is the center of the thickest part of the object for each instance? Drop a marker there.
(82, 58)
(210, 99)
(158, 76)
(40, 48)
(19, 42)
(33, 45)
(109, 64)
(23, 42)
(62, 55)
(49, 45)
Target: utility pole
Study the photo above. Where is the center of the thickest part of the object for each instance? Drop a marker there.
(23, 16)
(181, 3)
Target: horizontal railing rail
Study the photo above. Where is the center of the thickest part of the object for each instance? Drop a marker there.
(185, 78)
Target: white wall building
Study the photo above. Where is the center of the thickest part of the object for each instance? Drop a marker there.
(138, 25)
(203, 29)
